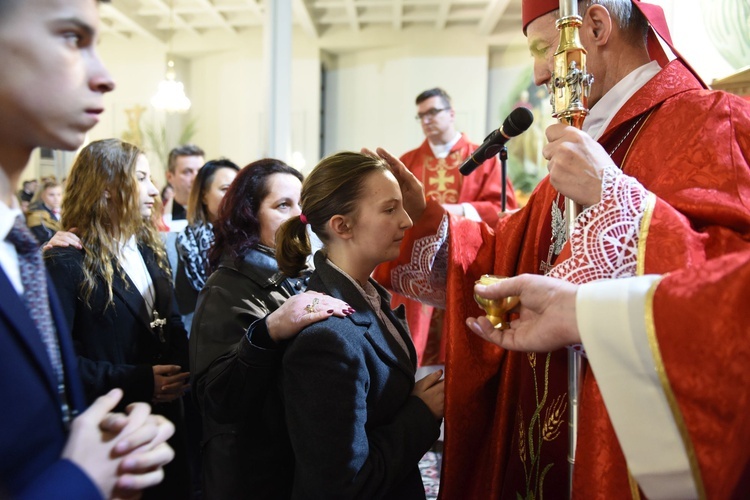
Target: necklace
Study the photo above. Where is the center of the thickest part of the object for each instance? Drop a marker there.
(157, 324)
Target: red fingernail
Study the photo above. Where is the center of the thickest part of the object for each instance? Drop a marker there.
(330, 311)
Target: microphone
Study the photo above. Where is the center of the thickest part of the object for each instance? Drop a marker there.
(516, 123)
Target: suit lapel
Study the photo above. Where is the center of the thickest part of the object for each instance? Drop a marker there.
(14, 309)
(380, 338)
(76, 397)
(398, 317)
(159, 279)
(125, 289)
(366, 319)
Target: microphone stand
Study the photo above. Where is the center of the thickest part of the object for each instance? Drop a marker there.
(504, 175)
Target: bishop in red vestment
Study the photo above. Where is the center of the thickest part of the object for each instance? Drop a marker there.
(670, 372)
(672, 191)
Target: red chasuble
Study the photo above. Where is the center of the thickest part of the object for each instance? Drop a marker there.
(445, 184)
(699, 333)
(506, 412)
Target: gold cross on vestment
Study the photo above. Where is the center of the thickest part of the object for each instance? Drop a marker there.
(442, 180)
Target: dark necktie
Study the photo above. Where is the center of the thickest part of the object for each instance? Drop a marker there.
(35, 297)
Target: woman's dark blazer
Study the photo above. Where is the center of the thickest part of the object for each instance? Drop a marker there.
(246, 451)
(115, 344)
(356, 430)
(117, 347)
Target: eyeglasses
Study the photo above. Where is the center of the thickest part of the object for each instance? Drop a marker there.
(430, 113)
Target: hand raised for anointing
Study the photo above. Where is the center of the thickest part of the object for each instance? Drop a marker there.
(412, 190)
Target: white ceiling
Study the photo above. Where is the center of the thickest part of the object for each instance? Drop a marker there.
(198, 19)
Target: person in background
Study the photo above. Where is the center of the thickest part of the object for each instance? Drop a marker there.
(183, 165)
(167, 195)
(188, 256)
(357, 421)
(193, 243)
(477, 197)
(244, 313)
(44, 221)
(26, 193)
(51, 93)
(116, 293)
(157, 217)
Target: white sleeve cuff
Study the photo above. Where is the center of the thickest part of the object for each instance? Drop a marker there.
(611, 319)
(470, 212)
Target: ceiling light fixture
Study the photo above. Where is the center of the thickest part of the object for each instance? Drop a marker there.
(170, 95)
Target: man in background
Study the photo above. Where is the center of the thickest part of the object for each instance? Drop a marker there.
(26, 194)
(44, 218)
(182, 167)
(477, 197)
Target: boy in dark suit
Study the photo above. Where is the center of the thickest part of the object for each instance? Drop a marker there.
(51, 92)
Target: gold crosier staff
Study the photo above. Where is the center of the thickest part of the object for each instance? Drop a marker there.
(570, 91)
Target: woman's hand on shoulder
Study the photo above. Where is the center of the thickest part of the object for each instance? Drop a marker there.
(64, 239)
(302, 310)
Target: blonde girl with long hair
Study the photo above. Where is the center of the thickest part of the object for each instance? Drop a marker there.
(116, 293)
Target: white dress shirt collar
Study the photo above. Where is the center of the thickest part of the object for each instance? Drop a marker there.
(442, 150)
(132, 262)
(602, 112)
(8, 255)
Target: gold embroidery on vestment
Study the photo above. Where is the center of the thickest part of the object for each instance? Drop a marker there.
(648, 213)
(440, 179)
(539, 431)
(635, 493)
(669, 393)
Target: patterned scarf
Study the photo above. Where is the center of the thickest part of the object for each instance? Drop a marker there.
(192, 247)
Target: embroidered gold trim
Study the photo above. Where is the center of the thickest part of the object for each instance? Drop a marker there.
(635, 492)
(640, 265)
(671, 399)
(650, 202)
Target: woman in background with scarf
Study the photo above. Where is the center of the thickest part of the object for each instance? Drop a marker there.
(192, 244)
